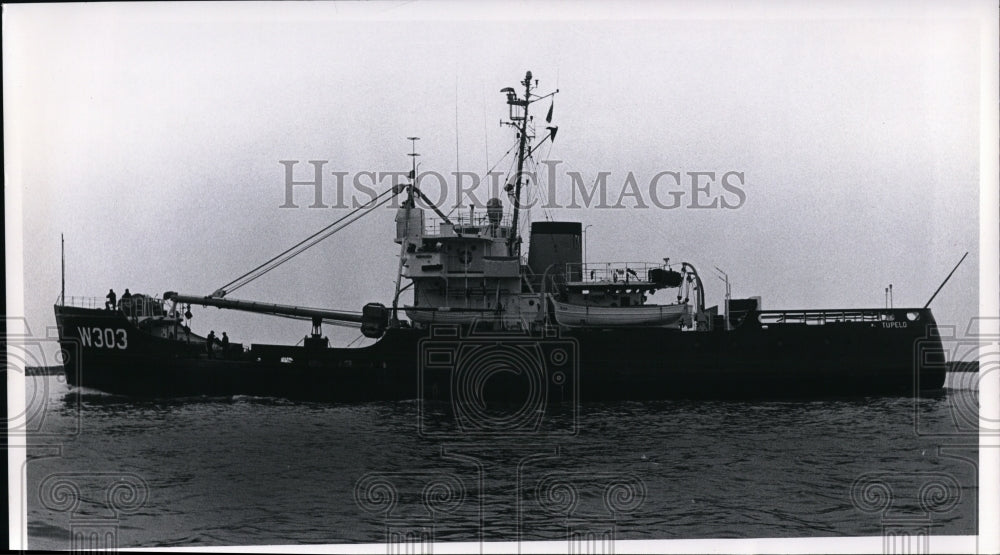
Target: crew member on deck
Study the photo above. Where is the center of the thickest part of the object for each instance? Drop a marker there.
(210, 343)
(112, 300)
(127, 301)
(225, 345)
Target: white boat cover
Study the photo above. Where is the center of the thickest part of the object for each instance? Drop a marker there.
(575, 316)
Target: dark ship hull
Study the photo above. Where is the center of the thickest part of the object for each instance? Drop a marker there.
(594, 335)
(796, 355)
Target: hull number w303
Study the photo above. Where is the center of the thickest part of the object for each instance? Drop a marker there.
(103, 338)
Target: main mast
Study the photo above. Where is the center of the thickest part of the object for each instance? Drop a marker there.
(407, 206)
(514, 241)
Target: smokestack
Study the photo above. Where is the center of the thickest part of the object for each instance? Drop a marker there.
(555, 243)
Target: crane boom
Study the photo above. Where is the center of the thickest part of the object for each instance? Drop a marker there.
(266, 308)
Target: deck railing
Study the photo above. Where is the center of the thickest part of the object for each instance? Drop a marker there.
(475, 224)
(81, 302)
(611, 271)
(137, 306)
(821, 317)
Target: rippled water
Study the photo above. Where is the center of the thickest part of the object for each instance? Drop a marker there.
(217, 471)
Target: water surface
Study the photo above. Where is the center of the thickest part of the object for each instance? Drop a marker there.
(250, 470)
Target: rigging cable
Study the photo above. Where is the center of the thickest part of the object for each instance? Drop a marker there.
(548, 214)
(298, 248)
(303, 248)
(486, 134)
(458, 167)
(487, 176)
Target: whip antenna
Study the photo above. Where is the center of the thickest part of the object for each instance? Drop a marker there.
(946, 279)
(62, 250)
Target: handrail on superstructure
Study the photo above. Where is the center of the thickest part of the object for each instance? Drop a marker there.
(80, 302)
(461, 224)
(607, 271)
(138, 305)
(838, 315)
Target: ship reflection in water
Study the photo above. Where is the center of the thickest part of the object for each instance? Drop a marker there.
(256, 470)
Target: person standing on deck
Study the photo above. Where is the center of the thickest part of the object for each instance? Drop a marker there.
(127, 302)
(112, 300)
(210, 343)
(225, 345)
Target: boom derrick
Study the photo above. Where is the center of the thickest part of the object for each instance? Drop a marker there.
(373, 319)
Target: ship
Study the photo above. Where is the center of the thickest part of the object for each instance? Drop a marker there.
(496, 319)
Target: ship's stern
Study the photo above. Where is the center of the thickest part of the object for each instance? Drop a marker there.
(930, 363)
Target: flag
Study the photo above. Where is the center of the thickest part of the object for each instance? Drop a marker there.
(548, 117)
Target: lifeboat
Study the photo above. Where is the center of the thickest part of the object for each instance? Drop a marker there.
(589, 316)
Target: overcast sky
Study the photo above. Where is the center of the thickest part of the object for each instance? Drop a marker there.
(151, 136)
